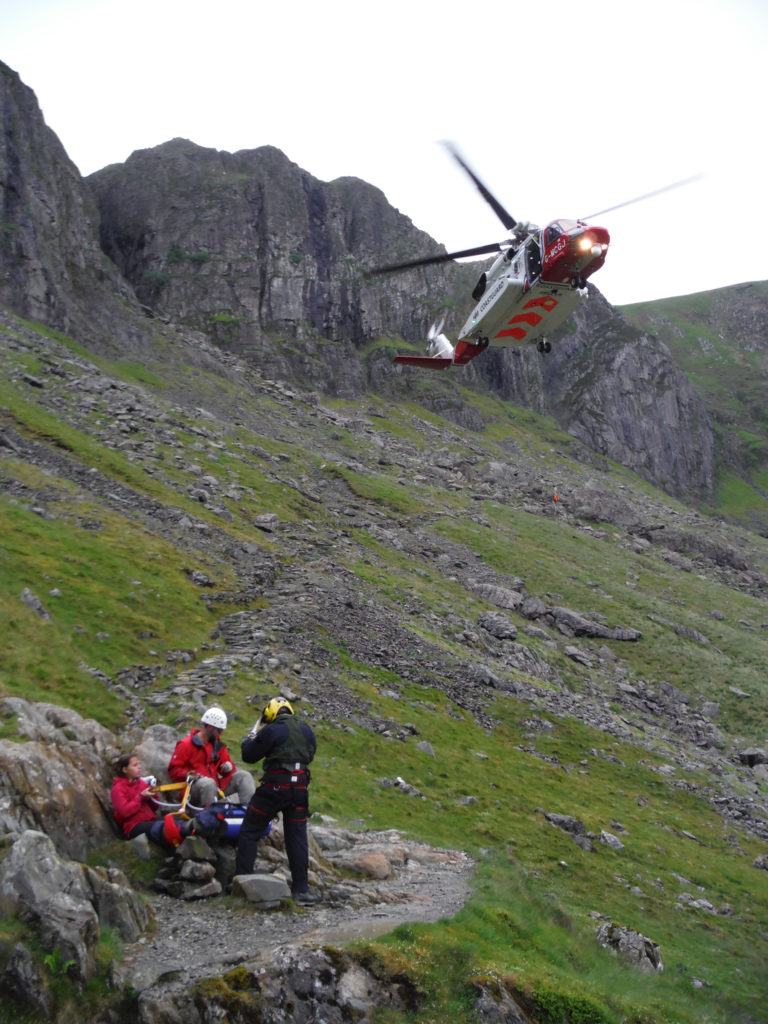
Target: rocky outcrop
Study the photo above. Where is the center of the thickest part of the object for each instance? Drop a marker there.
(56, 782)
(303, 986)
(248, 245)
(619, 392)
(722, 338)
(52, 268)
(65, 905)
(639, 950)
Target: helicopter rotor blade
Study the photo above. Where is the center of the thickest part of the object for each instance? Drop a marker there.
(426, 261)
(506, 218)
(648, 195)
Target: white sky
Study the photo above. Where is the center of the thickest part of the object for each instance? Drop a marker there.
(563, 109)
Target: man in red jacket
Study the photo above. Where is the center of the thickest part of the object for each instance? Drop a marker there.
(203, 759)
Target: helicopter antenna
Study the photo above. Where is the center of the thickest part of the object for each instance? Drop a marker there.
(648, 195)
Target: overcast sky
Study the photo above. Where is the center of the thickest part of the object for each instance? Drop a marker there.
(563, 108)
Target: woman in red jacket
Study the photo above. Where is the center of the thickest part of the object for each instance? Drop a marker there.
(134, 811)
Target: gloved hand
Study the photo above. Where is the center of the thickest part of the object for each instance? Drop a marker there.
(226, 768)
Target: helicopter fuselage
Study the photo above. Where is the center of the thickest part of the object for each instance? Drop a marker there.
(534, 286)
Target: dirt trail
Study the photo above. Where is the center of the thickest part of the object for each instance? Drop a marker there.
(198, 939)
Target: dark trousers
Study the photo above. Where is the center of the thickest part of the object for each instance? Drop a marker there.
(276, 794)
(154, 831)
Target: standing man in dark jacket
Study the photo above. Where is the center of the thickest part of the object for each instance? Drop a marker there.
(287, 746)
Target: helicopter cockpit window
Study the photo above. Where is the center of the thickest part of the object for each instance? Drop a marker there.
(553, 233)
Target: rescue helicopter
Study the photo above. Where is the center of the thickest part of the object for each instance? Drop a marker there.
(538, 279)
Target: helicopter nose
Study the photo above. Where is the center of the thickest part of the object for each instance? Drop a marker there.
(595, 246)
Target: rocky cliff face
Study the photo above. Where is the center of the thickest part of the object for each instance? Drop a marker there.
(247, 245)
(720, 339)
(619, 392)
(52, 268)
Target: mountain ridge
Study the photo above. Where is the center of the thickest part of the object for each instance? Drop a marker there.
(306, 283)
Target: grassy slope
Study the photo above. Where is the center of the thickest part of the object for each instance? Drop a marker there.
(120, 594)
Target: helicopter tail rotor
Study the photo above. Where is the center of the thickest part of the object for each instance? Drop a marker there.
(437, 343)
(436, 328)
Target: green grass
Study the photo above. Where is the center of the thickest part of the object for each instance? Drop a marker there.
(115, 593)
(739, 498)
(530, 919)
(381, 490)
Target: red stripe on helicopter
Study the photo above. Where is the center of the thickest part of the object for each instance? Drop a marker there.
(526, 318)
(547, 302)
(520, 332)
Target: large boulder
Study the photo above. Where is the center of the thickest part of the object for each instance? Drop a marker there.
(50, 723)
(155, 749)
(67, 903)
(639, 950)
(57, 782)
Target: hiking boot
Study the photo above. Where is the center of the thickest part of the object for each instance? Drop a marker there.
(307, 898)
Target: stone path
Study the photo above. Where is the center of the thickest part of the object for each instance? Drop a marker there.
(195, 940)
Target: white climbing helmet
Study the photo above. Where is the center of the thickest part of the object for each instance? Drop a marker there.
(214, 717)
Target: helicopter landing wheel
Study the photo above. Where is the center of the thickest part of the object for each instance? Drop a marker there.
(483, 342)
(543, 346)
(578, 282)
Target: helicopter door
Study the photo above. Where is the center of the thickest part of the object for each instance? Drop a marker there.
(533, 259)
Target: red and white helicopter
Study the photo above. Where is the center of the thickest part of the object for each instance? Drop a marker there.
(535, 283)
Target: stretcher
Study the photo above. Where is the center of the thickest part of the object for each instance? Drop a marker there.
(220, 819)
(179, 802)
